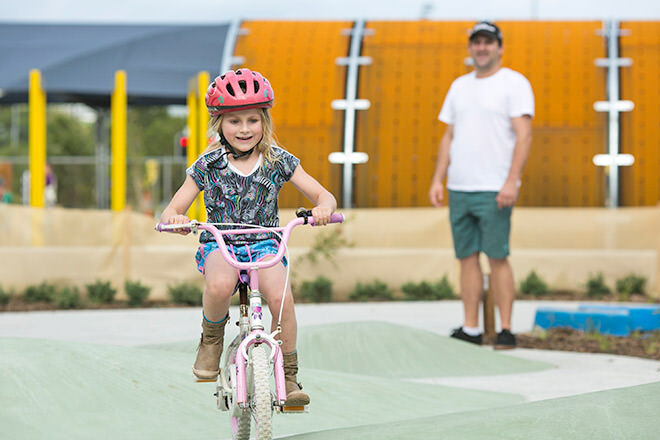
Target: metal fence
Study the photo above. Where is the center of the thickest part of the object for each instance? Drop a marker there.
(84, 181)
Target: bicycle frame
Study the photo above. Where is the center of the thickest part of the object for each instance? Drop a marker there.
(255, 328)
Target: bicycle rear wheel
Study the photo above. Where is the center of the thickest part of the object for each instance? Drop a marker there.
(262, 409)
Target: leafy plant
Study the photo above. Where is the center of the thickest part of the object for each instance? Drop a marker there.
(596, 286)
(101, 292)
(67, 298)
(604, 342)
(185, 293)
(374, 291)
(5, 297)
(427, 291)
(316, 291)
(631, 284)
(443, 289)
(326, 244)
(533, 285)
(42, 292)
(137, 292)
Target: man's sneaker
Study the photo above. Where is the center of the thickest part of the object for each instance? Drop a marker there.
(505, 340)
(458, 333)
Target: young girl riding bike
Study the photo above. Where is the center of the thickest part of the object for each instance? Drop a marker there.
(241, 174)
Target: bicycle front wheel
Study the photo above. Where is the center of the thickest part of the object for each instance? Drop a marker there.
(241, 427)
(262, 409)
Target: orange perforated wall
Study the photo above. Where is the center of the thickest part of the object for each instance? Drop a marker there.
(298, 58)
(558, 59)
(640, 129)
(413, 66)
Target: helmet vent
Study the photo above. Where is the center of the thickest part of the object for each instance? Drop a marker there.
(256, 86)
(243, 85)
(230, 89)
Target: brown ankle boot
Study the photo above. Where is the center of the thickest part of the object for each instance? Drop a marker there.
(209, 350)
(294, 394)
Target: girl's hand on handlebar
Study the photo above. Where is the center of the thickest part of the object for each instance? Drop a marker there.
(321, 215)
(178, 220)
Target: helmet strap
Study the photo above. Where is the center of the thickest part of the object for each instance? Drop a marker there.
(230, 150)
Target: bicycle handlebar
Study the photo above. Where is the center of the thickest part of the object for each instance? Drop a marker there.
(218, 234)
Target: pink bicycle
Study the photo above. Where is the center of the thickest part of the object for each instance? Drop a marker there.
(254, 356)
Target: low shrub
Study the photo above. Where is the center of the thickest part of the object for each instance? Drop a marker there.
(630, 284)
(596, 286)
(374, 291)
(101, 292)
(5, 297)
(185, 293)
(43, 292)
(443, 289)
(316, 291)
(425, 291)
(533, 285)
(67, 298)
(137, 292)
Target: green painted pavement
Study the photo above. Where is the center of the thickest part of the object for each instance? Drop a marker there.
(621, 414)
(388, 350)
(67, 390)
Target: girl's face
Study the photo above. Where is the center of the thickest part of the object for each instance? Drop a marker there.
(242, 129)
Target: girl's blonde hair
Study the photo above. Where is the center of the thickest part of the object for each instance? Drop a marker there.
(265, 145)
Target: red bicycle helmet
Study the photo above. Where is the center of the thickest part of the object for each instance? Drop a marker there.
(239, 90)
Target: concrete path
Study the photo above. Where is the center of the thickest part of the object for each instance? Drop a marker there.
(125, 374)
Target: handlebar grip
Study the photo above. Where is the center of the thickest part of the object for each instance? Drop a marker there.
(337, 218)
(169, 227)
(334, 218)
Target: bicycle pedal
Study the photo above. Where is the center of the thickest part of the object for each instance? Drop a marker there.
(198, 380)
(295, 409)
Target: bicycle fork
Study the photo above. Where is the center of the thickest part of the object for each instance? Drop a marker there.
(251, 333)
(259, 337)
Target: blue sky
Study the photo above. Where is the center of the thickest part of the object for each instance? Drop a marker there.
(216, 11)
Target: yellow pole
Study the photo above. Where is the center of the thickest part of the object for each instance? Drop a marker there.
(118, 142)
(191, 149)
(37, 139)
(202, 138)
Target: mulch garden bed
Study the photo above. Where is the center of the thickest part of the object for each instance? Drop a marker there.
(16, 304)
(643, 345)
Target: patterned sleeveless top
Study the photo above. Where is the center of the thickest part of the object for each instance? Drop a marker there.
(231, 197)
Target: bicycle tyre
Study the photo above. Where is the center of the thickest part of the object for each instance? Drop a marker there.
(262, 409)
(241, 427)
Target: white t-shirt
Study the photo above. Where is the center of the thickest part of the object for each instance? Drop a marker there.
(480, 109)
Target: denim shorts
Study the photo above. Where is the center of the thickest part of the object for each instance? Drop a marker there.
(478, 225)
(257, 251)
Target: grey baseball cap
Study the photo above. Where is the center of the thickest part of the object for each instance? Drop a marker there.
(486, 28)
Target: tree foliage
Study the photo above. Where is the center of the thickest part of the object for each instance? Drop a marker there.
(151, 131)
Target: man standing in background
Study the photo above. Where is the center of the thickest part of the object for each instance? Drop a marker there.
(488, 113)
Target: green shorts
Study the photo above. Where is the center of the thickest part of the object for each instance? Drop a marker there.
(478, 225)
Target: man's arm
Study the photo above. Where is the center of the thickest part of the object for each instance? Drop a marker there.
(522, 126)
(437, 190)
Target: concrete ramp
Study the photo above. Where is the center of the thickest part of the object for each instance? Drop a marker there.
(389, 350)
(69, 390)
(357, 373)
(627, 413)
